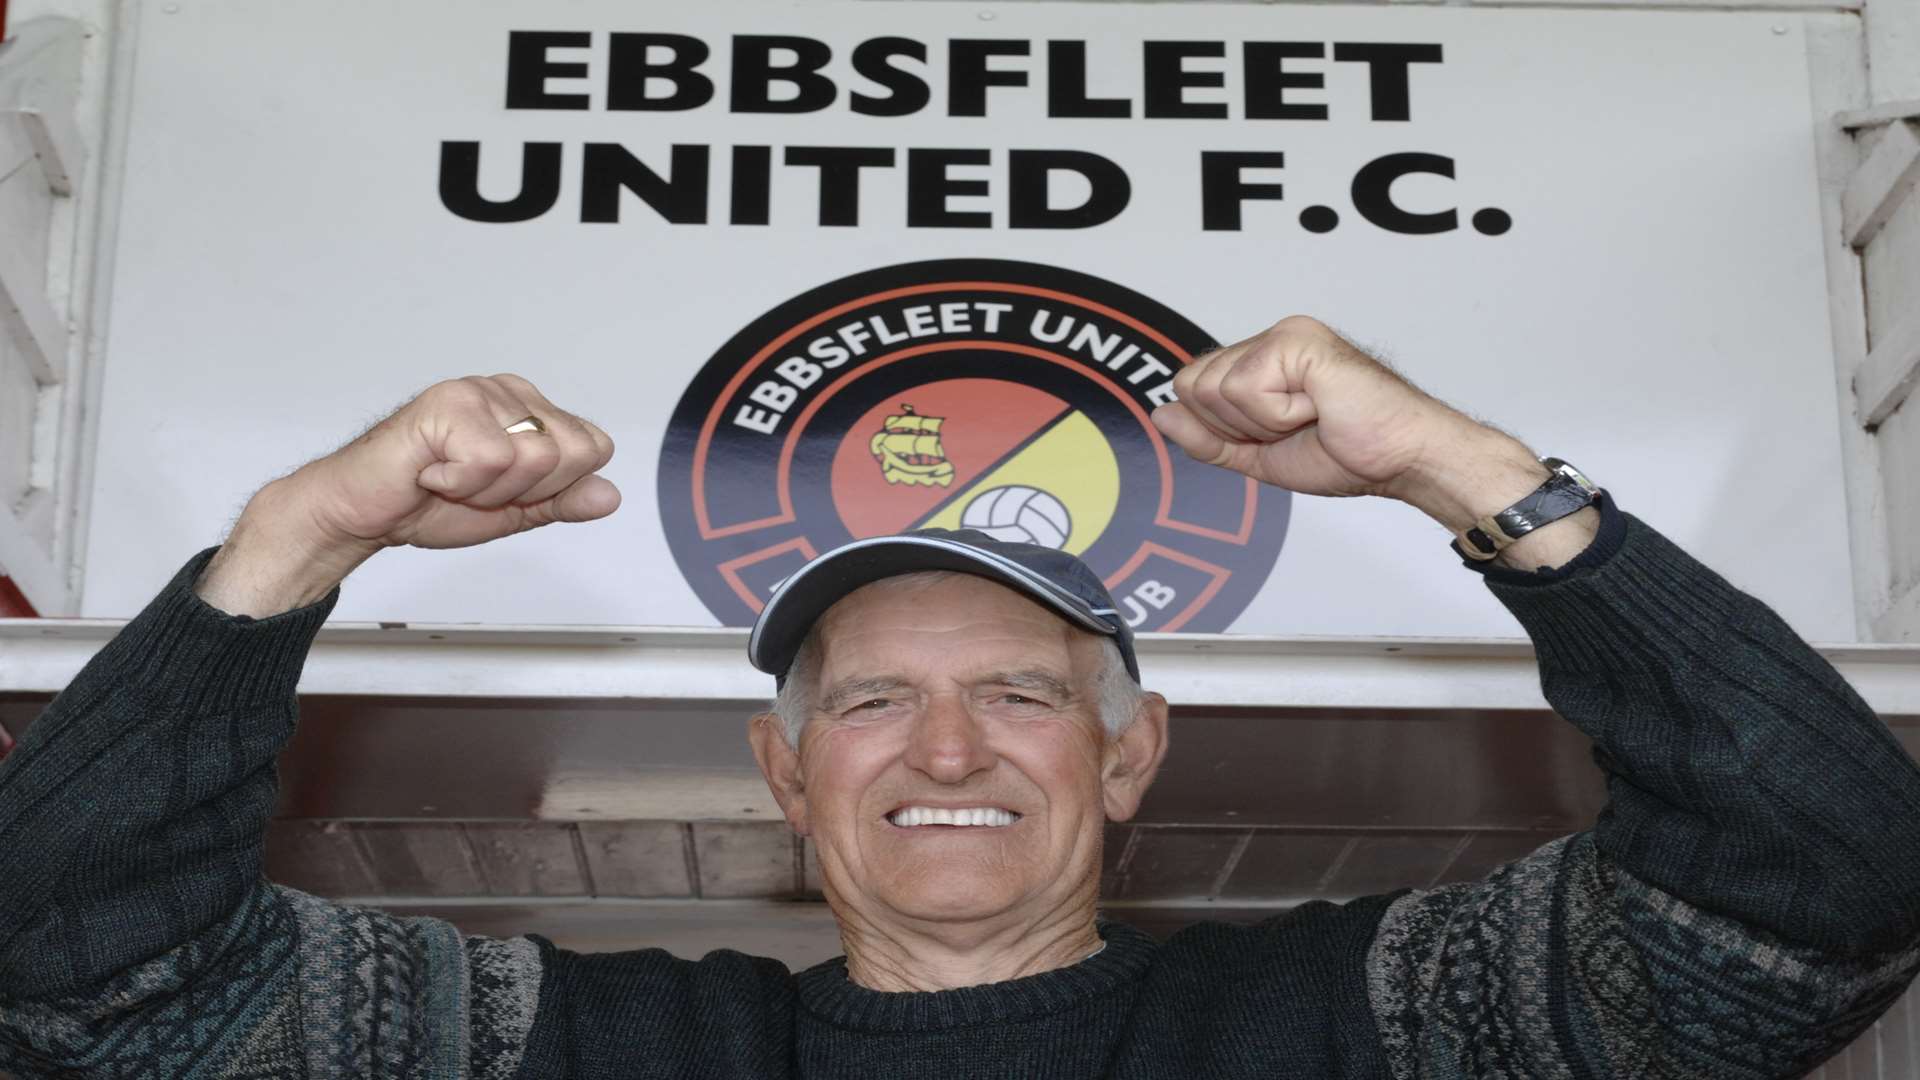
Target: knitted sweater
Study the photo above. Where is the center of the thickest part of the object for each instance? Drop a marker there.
(1746, 904)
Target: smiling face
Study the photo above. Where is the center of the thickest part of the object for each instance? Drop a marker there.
(954, 769)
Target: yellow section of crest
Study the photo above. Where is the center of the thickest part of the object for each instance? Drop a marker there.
(1071, 462)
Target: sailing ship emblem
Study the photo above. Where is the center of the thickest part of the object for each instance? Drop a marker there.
(909, 452)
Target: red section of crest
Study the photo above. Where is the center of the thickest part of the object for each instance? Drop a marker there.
(985, 420)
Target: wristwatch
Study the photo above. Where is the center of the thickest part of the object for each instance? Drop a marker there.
(1563, 493)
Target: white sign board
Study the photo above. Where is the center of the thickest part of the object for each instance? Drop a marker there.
(830, 269)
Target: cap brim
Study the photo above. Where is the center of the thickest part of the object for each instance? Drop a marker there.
(817, 586)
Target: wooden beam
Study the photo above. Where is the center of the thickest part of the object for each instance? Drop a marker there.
(1881, 184)
(1884, 113)
(1889, 373)
(40, 84)
(26, 311)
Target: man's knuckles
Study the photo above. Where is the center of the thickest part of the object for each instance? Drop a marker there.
(513, 381)
(467, 394)
(530, 469)
(1204, 395)
(1253, 389)
(536, 455)
(570, 469)
(1301, 328)
(489, 457)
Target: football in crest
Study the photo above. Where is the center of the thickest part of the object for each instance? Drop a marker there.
(1019, 514)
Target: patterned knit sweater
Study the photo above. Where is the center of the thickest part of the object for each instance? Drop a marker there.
(1746, 904)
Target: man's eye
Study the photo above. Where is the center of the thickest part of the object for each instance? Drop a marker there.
(876, 703)
(1020, 699)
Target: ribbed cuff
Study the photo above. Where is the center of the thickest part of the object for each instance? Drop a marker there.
(202, 658)
(1642, 606)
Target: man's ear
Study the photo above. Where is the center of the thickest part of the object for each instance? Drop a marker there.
(780, 764)
(1132, 757)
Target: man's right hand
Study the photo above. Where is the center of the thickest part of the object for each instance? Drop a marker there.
(440, 472)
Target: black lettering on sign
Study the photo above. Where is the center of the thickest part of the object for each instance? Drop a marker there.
(752, 168)
(908, 92)
(781, 73)
(754, 73)
(1223, 187)
(1167, 79)
(1267, 80)
(1373, 194)
(1067, 85)
(968, 75)
(460, 183)
(840, 176)
(632, 70)
(608, 169)
(1029, 175)
(929, 187)
(1387, 72)
(529, 68)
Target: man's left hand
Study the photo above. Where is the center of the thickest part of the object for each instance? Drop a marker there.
(1300, 407)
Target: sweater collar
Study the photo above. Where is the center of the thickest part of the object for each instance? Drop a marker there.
(827, 992)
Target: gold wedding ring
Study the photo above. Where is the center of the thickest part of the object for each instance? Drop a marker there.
(527, 423)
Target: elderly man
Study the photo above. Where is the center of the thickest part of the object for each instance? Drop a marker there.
(956, 720)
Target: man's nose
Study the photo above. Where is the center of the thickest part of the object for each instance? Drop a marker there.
(948, 743)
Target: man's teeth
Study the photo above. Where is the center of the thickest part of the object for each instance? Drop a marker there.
(909, 816)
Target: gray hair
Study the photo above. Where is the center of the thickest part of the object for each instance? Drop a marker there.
(1117, 696)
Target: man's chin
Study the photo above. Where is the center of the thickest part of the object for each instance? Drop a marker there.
(953, 898)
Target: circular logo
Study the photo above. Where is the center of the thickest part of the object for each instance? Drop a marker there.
(1008, 397)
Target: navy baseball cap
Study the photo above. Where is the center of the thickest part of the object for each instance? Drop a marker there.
(1054, 578)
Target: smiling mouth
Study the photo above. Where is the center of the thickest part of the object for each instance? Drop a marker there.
(975, 817)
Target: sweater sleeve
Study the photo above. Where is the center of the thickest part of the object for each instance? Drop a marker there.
(137, 935)
(1749, 899)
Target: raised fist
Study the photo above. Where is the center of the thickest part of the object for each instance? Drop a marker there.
(442, 471)
(1299, 407)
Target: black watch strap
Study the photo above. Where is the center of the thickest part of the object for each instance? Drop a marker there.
(1563, 493)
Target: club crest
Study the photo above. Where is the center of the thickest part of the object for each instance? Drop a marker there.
(1008, 397)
